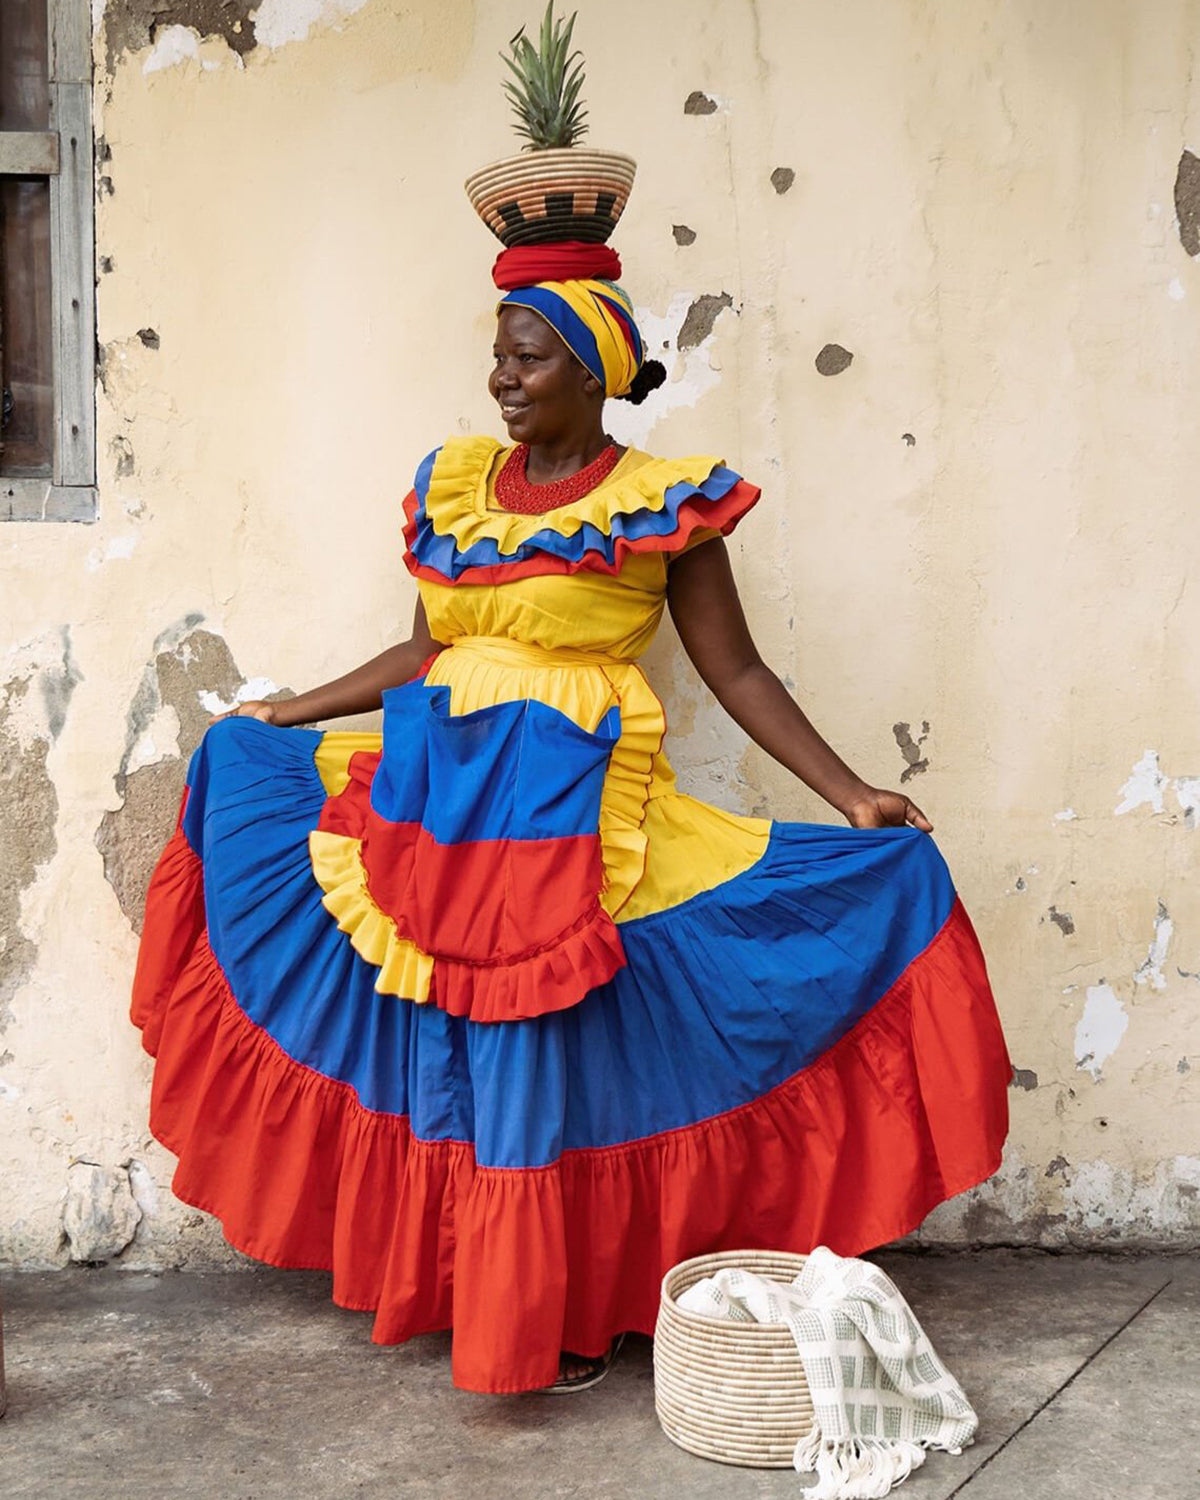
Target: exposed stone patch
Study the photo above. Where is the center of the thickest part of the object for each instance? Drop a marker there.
(149, 338)
(1062, 920)
(29, 725)
(911, 749)
(700, 318)
(683, 235)
(1183, 1066)
(107, 265)
(100, 1213)
(699, 103)
(1059, 1167)
(130, 25)
(782, 179)
(187, 662)
(28, 809)
(909, 440)
(833, 359)
(1187, 202)
(1023, 1078)
(1150, 970)
(122, 452)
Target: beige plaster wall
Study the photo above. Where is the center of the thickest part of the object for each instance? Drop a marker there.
(971, 562)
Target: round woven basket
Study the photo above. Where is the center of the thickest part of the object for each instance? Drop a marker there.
(733, 1392)
(539, 197)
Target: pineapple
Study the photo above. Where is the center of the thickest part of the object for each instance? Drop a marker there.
(544, 89)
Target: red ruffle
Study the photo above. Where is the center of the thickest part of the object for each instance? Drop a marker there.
(851, 1152)
(497, 955)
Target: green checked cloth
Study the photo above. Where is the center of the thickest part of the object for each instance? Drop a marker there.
(880, 1394)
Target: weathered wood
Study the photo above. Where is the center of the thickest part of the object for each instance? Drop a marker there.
(41, 500)
(28, 153)
(70, 495)
(70, 41)
(73, 235)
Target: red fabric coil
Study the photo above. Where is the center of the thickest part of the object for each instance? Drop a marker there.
(569, 260)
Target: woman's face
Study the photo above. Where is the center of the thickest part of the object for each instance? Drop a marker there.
(545, 394)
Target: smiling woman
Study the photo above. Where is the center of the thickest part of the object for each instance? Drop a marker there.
(548, 399)
(484, 1014)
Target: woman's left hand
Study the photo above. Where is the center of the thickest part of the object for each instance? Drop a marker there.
(874, 808)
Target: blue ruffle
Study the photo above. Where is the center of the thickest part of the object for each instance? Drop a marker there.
(724, 996)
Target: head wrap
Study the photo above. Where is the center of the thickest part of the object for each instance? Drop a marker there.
(567, 285)
(595, 321)
(561, 260)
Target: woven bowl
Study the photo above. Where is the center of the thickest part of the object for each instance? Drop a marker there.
(732, 1392)
(540, 197)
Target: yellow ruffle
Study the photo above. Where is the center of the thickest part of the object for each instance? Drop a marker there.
(690, 848)
(333, 754)
(456, 502)
(337, 864)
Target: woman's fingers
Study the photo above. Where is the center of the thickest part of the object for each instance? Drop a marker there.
(914, 815)
(254, 708)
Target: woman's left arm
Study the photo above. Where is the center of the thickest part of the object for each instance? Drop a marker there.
(707, 612)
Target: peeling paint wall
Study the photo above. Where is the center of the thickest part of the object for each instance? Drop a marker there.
(930, 274)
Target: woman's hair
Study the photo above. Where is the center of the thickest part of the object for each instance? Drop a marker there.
(651, 375)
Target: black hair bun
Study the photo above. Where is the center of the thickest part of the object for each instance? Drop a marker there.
(648, 378)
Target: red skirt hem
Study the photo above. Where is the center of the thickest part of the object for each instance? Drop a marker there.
(905, 1110)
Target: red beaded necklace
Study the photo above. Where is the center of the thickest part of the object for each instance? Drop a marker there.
(514, 491)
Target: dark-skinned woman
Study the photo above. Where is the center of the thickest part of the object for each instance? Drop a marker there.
(485, 1015)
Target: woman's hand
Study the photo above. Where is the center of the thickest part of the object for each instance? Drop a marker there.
(358, 692)
(873, 808)
(253, 708)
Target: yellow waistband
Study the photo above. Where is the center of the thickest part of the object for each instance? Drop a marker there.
(525, 654)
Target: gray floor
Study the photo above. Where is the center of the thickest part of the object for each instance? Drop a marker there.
(1084, 1370)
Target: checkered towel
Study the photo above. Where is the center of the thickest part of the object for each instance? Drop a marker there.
(880, 1394)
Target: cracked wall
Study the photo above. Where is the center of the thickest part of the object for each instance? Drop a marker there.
(934, 288)
(165, 722)
(33, 711)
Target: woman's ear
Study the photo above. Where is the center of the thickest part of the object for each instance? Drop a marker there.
(592, 386)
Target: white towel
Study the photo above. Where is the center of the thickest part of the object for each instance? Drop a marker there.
(880, 1394)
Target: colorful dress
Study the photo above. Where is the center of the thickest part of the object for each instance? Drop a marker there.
(493, 1022)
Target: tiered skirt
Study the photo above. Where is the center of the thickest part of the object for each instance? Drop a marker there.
(805, 1051)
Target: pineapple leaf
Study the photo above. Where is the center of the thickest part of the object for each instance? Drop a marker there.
(545, 84)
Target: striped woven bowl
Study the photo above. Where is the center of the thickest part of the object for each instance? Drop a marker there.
(732, 1392)
(539, 197)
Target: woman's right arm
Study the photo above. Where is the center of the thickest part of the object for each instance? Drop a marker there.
(358, 692)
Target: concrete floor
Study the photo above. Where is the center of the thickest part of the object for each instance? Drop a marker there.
(1084, 1370)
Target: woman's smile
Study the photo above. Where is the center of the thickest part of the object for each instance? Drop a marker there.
(544, 394)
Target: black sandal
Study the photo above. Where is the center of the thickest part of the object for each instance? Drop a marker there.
(595, 1369)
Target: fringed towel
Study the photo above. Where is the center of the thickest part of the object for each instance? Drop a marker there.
(880, 1394)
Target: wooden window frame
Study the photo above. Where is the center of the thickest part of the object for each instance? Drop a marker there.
(64, 154)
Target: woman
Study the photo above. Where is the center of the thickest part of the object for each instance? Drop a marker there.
(487, 1017)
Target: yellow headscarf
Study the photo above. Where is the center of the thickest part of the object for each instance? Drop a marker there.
(594, 319)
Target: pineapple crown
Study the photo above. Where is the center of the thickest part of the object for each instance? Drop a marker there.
(544, 88)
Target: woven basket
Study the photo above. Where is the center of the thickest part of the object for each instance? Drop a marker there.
(539, 197)
(733, 1392)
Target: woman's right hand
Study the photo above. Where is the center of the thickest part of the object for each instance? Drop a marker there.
(253, 708)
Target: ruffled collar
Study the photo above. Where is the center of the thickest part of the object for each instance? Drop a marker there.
(645, 504)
